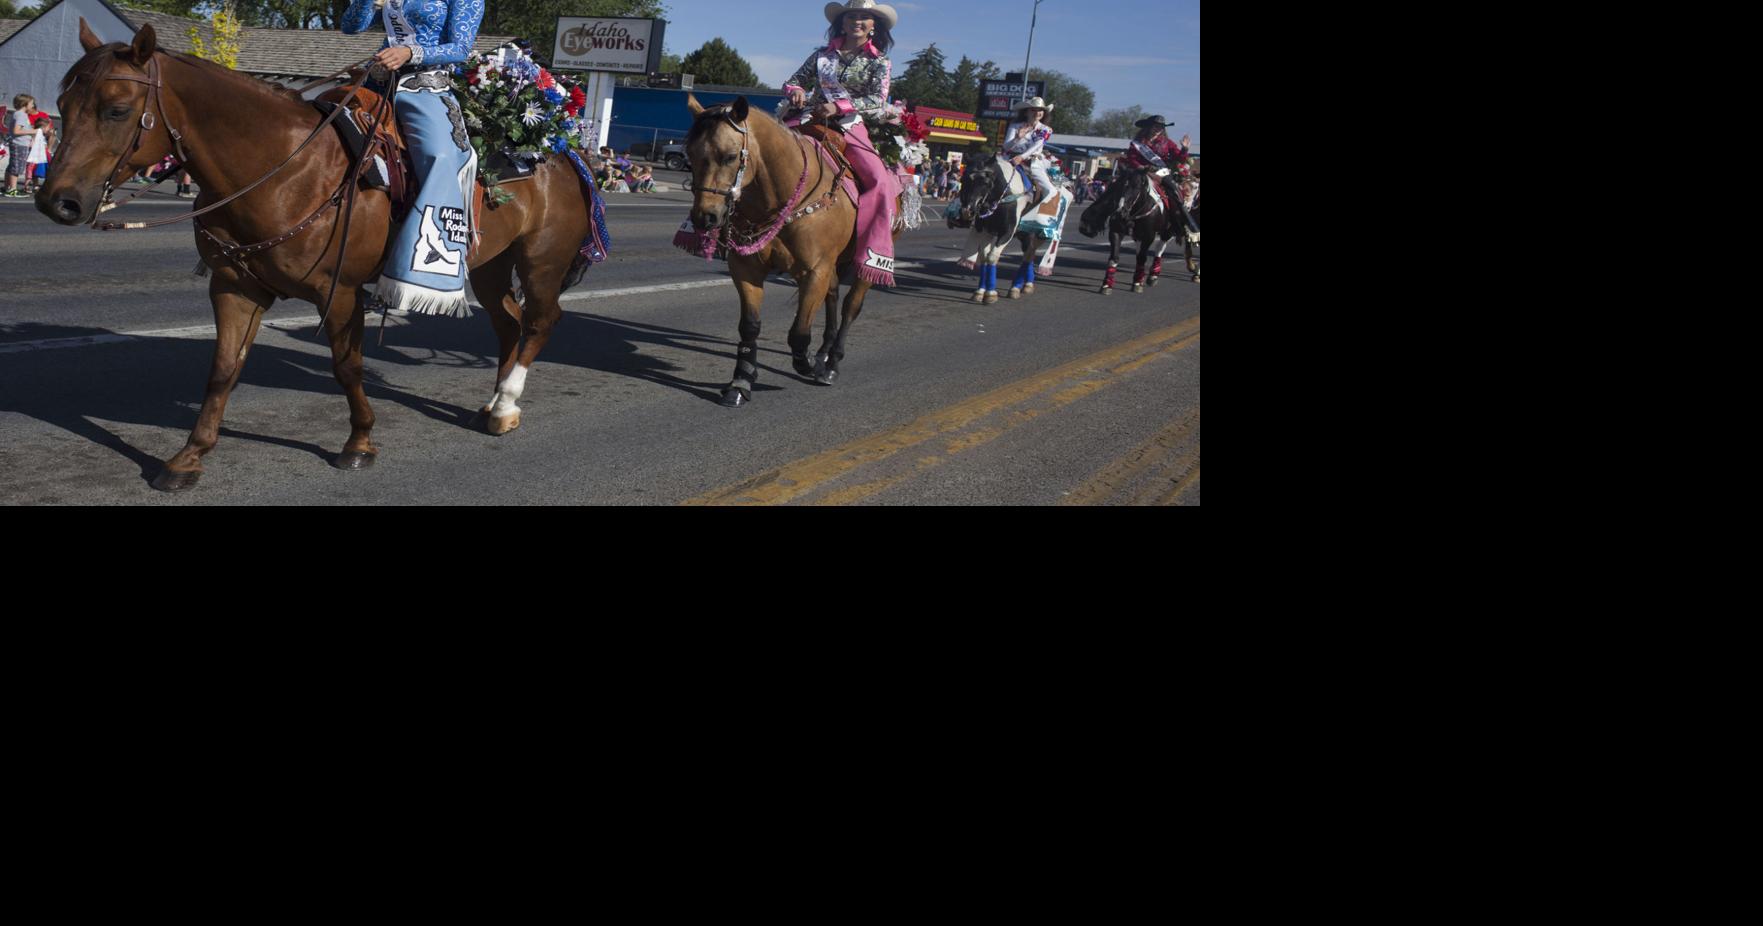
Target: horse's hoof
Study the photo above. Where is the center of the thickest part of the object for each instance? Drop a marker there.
(355, 459)
(1028, 290)
(1151, 282)
(733, 398)
(1015, 292)
(991, 298)
(1107, 290)
(1138, 287)
(979, 296)
(174, 481)
(1195, 279)
(826, 376)
(803, 367)
(500, 426)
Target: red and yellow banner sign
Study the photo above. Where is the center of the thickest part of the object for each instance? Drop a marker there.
(942, 123)
(947, 125)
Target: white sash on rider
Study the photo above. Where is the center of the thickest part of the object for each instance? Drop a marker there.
(833, 90)
(1149, 155)
(399, 31)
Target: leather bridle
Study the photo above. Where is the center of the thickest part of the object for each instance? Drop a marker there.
(144, 125)
(734, 192)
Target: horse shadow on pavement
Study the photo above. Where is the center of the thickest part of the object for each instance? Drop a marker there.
(617, 346)
(159, 383)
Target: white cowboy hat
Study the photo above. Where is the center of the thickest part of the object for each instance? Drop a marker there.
(884, 14)
(1034, 103)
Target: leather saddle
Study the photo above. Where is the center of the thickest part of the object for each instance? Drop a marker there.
(392, 172)
(364, 137)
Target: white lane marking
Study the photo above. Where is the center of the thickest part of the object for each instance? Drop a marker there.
(186, 203)
(290, 324)
(634, 290)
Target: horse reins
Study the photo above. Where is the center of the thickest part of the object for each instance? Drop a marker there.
(153, 82)
(733, 193)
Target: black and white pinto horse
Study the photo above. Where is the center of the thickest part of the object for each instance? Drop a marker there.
(993, 201)
(1131, 206)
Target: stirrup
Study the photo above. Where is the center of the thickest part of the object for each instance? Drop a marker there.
(376, 176)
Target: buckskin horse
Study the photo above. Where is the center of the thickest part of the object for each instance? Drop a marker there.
(126, 106)
(1131, 206)
(744, 166)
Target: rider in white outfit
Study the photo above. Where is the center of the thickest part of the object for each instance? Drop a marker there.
(1023, 142)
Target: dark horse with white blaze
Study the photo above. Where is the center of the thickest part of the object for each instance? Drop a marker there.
(1131, 206)
(994, 198)
(745, 166)
(127, 106)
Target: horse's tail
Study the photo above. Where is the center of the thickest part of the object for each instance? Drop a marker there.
(598, 244)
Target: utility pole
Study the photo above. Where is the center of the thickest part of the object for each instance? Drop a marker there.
(1031, 49)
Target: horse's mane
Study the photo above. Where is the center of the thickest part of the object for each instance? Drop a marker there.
(99, 62)
(705, 121)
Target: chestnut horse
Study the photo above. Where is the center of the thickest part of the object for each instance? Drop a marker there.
(745, 166)
(128, 106)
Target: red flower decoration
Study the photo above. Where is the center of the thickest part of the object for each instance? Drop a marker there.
(546, 82)
(915, 130)
(577, 100)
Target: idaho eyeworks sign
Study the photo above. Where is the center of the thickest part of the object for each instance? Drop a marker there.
(631, 46)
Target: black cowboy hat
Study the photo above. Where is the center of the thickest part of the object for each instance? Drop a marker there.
(1150, 121)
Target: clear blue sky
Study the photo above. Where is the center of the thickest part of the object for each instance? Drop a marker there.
(1127, 52)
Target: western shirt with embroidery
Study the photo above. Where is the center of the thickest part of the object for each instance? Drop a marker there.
(1174, 156)
(1025, 147)
(435, 31)
(864, 75)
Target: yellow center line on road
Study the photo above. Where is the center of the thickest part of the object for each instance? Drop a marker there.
(1095, 372)
(1112, 479)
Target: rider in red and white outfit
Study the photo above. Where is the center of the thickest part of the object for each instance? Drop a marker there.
(1023, 141)
(1152, 151)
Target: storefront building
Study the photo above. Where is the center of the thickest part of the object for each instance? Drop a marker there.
(950, 131)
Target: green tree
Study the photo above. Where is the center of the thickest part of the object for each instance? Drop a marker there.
(222, 44)
(717, 63)
(1118, 123)
(171, 7)
(292, 14)
(1072, 101)
(924, 80)
(964, 81)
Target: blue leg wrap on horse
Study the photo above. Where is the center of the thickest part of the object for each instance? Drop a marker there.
(426, 264)
(1031, 272)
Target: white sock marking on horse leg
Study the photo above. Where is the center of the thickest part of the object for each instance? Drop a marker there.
(508, 392)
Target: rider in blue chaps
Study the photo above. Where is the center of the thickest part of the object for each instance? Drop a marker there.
(425, 267)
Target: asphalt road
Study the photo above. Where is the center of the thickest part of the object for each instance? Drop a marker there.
(1065, 397)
